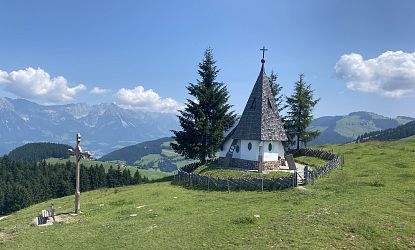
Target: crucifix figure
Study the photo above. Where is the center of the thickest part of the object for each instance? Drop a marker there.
(263, 54)
(79, 155)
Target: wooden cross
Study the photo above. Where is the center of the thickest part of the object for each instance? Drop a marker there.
(263, 51)
(79, 155)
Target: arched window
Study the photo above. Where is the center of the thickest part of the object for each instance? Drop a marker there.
(249, 146)
(270, 147)
(237, 149)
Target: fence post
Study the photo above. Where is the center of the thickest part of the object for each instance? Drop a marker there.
(306, 175)
(228, 187)
(262, 184)
(208, 183)
(295, 178)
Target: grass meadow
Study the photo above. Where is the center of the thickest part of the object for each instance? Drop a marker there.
(369, 203)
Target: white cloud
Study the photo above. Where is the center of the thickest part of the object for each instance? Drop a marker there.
(3, 76)
(99, 91)
(145, 100)
(37, 84)
(392, 74)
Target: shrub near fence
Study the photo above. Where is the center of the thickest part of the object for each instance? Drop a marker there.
(187, 178)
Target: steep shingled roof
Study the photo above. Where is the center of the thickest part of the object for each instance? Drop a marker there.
(260, 119)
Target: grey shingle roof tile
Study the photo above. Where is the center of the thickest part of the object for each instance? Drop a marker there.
(260, 119)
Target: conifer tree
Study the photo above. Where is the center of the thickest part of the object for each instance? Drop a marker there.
(206, 117)
(276, 89)
(300, 113)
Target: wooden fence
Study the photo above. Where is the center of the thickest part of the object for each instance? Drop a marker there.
(187, 178)
(334, 161)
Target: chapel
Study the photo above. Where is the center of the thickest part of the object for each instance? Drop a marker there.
(257, 141)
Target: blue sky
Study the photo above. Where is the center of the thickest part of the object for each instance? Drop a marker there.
(127, 48)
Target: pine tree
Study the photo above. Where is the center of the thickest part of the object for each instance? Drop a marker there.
(299, 115)
(276, 89)
(205, 118)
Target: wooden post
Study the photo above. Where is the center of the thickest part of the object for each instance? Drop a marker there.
(78, 155)
(305, 174)
(260, 157)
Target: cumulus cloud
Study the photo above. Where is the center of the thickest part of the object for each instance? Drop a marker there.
(99, 91)
(3, 76)
(145, 100)
(392, 74)
(37, 84)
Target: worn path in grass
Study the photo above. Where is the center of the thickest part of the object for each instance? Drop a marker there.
(367, 204)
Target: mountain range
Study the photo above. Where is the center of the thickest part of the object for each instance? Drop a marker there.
(107, 127)
(104, 127)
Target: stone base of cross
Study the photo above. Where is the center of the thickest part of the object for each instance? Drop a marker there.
(79, 154)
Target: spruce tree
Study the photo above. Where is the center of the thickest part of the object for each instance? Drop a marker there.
(206, 117)
(300, 113)
(276, 89)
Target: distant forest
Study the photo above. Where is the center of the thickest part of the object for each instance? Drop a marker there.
(397, 133)
(23, 183)
(39, 151)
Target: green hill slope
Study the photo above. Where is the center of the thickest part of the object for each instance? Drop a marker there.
(39, 151)
(156, 154)
(400, 132)
(341, 129)
(367, 204)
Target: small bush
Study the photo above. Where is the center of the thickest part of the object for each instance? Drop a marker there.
(246, 220)
(401, 165)
(376, 183)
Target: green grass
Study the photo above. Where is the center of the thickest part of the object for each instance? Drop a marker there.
(366, 204)
(149, 173)
(408, 138)
(150, 159)
(310, 161)
(216, 172)
(153, 174)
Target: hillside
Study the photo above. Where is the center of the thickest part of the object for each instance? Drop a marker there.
(39, 151)
(341, 129)
(397, 133)
(104, 127)
(156, 154)
(150, 174)
(367, 204)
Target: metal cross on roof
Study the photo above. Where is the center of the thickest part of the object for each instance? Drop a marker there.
(263, 55)
(263, 51)
(79, 155)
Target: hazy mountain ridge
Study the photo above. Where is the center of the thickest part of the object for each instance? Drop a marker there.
(341, 129)
(104, 127)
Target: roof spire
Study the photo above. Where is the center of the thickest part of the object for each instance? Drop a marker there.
(263, 54)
